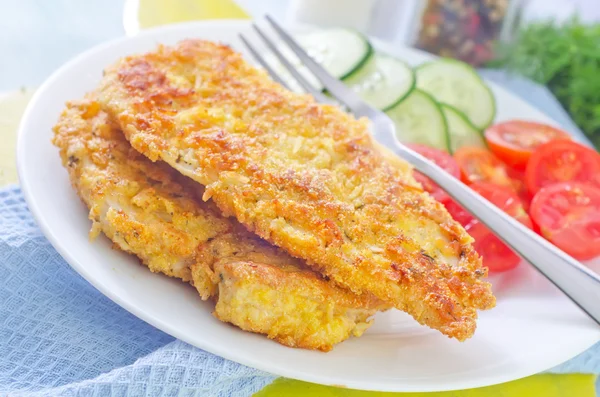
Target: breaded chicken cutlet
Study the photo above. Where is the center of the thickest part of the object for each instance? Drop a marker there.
(150, 210)
(304, 176)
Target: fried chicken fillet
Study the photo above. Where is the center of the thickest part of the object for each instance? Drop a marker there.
(150, 210)
(305, 176)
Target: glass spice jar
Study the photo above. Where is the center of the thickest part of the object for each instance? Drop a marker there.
(467, 29)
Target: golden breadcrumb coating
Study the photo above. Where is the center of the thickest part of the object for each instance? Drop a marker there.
(290, 302)
(153, 212)
(304, 176)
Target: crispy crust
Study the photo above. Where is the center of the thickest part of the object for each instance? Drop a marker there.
(303, 176)
(153, 212)
(286, 305)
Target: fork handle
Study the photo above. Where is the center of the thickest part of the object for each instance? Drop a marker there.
(578, 282)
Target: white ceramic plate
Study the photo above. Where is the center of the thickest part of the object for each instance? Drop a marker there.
(533, 328)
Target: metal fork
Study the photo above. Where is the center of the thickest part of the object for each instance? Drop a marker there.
(579, 283)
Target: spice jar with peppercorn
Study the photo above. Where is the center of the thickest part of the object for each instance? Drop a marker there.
(467, 29)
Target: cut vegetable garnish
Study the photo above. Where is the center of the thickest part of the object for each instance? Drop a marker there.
(342, 52)
(442, 160)
(568, 215)
(496, 255)
(480, 165)
(383, 81)
(514, 141)
(419, 119)
(504, 198)
(457, 84)
(461, 132)
(562, 161)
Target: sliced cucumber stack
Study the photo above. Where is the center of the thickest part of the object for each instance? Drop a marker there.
(419, 119)
(383, 81)
(449, 107)
(457, 84)
(460, 131)
(340, 51)
(380, 80)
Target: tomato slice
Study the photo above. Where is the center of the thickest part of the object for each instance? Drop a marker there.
(502, 197)
(562, 161)
(519, 186)
(480, 165)
(514, 141)
(458, 213)
(505, 199)
(568, 215)
(496, 255)
(444, 161)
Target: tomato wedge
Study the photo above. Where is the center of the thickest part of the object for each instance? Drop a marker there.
(501, 196)
(562, 161)
(459, 214)
(480, 165)
(444, 161)
(514, 141)
(568, 215)
(505, 199)
(496, 255)
(519, 186)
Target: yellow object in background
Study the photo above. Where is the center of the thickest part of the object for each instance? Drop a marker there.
(12, 106)
(539, 385)
(141, 14)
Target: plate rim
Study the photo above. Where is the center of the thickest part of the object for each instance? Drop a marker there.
(139, 311)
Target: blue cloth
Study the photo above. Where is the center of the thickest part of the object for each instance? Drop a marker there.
(59, 336)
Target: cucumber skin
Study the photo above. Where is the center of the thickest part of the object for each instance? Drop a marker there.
(412, 86)
(439, 107)
(440, 110)
(463, 118)
(477, 76)
(491, 120)
(371, 57)
(370, 53)
(402, 98)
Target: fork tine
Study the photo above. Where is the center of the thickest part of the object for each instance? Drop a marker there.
(263, 63)
(334, 86)
(284, 61)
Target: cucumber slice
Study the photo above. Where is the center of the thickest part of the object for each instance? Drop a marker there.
(460, 131)
(340, 51)
(419, 119)
(457, 84)
(383, 81)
